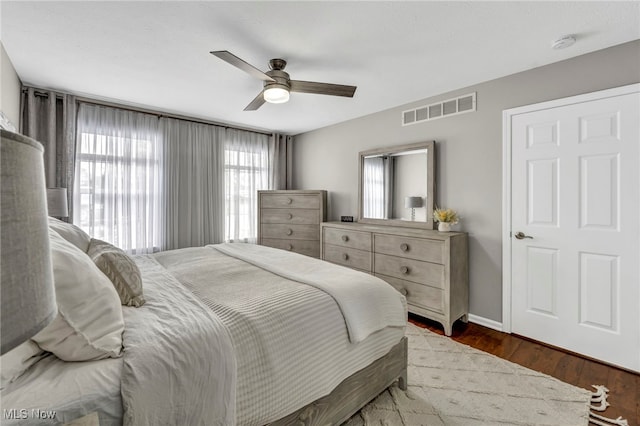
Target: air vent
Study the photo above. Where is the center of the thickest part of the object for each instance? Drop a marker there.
(460, 105)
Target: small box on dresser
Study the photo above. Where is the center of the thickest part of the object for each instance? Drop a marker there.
(290, 219)
(429, 267)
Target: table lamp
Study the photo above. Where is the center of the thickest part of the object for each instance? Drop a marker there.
(26, 279)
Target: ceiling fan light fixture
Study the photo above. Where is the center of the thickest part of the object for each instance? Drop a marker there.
(276, 93)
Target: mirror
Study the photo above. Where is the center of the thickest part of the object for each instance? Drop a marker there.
(397, 185)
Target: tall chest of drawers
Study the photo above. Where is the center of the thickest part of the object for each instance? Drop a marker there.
(290, 220)
(429, 267)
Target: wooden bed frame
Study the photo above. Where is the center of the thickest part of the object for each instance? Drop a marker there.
(354, 392)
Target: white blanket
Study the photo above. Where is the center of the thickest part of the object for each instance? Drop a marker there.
(290, 347)
(363, 315)
(179, 360)
(291, 340)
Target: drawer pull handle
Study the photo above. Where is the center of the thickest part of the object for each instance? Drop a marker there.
(404, 292)
(289, 201)
(404, 270)
(289, 216)
(345, 256)
(289, 232)
(404, 247)
(290, 247)
(345, 238)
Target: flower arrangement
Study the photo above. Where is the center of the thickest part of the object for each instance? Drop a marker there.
(445, 216)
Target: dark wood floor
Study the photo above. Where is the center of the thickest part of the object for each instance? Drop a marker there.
(624, 386)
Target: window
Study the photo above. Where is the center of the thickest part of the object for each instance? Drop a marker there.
(246, 172)
(117, 195)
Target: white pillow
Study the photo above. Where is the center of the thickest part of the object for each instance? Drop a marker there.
(18, 360)
(89, 324)
(71, 233)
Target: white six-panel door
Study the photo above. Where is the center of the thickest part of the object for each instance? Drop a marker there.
(575, 225)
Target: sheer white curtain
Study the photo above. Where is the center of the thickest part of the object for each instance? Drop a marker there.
(247, 169)
(373, 195)
(194, 183)
(117, 192)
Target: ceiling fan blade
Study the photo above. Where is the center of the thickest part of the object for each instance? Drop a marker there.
(322, 88)
(239, 63)
(256, 103)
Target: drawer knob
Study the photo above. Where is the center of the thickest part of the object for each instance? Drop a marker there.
(345, 238)
(404, 270)
(289, 201)
(289, 216)
(290, 247)
(289, 231)
(345, 256)
(404, 292)
(404, 247)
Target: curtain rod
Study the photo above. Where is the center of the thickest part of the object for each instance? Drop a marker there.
(84, 99)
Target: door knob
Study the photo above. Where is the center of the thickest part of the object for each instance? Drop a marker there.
(521, 236)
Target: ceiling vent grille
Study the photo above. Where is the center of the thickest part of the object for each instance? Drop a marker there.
(459, 105)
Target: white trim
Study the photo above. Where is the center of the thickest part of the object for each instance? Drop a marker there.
(507, 116)
(506, 221)
(485, 322)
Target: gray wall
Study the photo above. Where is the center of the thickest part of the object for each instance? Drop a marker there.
(468, 157)
(10, 85)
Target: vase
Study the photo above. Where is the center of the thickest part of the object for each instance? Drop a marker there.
(444, 226)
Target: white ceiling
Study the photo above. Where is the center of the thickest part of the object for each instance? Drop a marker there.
(156, 54)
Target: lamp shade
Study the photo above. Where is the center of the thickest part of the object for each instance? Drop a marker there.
(26, 281)
(57, 202)
(412, 202)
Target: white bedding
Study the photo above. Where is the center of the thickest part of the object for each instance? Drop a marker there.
(177, 351)
(72, 389)
(290, 340)
(367, 304)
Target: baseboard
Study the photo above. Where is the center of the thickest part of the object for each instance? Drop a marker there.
(485, 322)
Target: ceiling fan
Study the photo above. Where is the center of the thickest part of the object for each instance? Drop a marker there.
(277, 83)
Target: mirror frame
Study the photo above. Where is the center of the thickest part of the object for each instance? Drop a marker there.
(430, 146)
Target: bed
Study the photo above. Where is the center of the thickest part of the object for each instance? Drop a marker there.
(228, 334)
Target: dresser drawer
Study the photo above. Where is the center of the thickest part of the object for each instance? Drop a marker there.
(307, 247)
(347, 256)
(347, 238)
(289, 201)
(291, 232)
(294, 216)
(417, 294)
(409, 269)
(412, 248)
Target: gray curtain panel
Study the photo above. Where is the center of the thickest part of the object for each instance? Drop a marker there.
(193, 183)
(50, 118)
(280, 161)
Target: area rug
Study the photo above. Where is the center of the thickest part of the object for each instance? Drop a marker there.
(455, 385)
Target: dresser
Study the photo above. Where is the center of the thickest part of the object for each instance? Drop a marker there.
(290, 220)
(429, 267)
